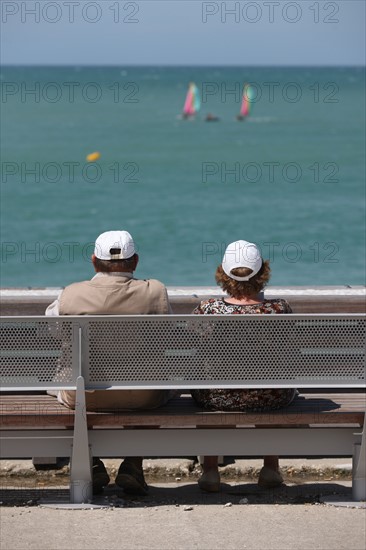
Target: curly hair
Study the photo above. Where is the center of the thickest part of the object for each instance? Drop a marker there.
(241, 289)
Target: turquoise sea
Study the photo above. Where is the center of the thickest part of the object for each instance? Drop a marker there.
(290, 178)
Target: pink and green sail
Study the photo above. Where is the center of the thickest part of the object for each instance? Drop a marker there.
(192, 103)
(247, 100)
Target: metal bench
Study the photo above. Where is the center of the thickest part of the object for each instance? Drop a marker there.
(314, 351)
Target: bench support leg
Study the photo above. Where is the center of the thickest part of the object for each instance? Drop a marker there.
(81, 490)
(359, 470)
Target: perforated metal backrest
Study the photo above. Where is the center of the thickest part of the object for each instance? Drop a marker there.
(224, 351)
(38, 352)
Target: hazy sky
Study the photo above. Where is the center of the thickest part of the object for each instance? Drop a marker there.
(183, 32)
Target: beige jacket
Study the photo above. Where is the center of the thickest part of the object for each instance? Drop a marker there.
(113, 294)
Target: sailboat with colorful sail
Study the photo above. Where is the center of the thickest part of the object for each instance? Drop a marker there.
(246, 103)
(192, 103)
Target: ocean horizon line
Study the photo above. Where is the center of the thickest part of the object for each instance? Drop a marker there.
(180, 66)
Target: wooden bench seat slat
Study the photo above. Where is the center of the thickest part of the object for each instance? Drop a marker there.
(45, 410)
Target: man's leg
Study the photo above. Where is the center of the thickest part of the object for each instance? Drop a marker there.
(100, 476)
(131, 476)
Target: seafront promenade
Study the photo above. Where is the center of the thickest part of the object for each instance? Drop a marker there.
(178, 516)
(184, 520)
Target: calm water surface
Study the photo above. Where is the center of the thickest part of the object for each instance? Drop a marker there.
(291, 178)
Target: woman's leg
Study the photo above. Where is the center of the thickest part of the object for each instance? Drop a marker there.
(210, 479)
(271, 462)
(210, 463)
(270, 475)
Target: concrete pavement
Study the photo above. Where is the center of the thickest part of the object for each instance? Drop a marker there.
(177, 516)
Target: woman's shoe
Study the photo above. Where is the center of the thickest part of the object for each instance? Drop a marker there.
(209, 482)
(268, 479)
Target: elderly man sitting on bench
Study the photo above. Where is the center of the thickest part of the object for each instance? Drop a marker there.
(115, 291)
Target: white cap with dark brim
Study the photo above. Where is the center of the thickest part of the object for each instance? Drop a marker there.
(118, 242)
(242, 254)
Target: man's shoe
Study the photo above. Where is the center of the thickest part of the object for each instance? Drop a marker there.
(131, 479)
(100, 476)
(268, 479)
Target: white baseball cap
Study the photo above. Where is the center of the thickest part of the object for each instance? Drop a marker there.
(242, 254)
(114, 245)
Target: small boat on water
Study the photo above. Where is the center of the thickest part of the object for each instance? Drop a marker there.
(211, 118)
(246, 103)
(192, 103)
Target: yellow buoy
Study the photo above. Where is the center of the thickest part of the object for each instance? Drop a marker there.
(93, 157)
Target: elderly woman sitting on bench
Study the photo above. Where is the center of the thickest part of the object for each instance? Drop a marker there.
(243, 275)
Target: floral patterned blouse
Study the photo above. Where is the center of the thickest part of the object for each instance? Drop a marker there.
(242, 400)
(219, 305)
